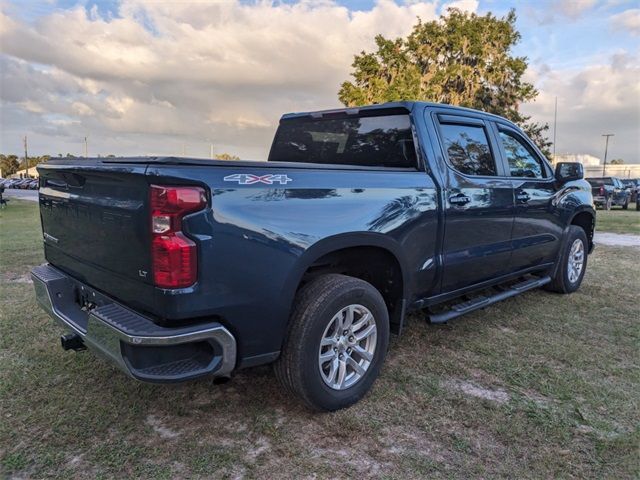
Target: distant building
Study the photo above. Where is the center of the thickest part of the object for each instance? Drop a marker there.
(583, 158)
(593, 166)
(33, 173)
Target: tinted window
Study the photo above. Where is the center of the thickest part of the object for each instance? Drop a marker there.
(598, 182)
(522, 161)
(368, 141)
(468, 149)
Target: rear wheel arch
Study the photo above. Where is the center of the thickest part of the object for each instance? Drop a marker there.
(372, 257)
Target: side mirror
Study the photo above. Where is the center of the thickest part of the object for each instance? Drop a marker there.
(568, 171)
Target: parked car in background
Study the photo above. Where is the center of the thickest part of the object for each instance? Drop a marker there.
(608, 192)
(632, 184)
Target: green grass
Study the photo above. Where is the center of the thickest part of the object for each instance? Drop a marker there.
(565, 368)
(617, 220)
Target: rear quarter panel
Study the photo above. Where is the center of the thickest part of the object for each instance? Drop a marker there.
(257, 240)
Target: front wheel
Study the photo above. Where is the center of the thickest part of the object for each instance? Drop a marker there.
(573, 262)
(336, 343)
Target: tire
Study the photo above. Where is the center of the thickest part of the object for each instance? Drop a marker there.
(626, 204)
(607, 204)
(637, 204)
(564, 281)
(315, 314)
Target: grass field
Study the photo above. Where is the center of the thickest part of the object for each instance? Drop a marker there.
(538, 386)
(617, 220)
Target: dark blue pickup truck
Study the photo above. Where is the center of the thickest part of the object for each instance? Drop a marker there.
(176, 268)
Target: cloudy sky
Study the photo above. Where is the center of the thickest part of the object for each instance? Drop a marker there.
(162, 77)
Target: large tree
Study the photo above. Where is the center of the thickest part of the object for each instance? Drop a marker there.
(9, 164)
(461, 59)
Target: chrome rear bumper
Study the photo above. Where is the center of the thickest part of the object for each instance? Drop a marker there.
(139, 347)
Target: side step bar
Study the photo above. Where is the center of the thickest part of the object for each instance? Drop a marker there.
(479, 302)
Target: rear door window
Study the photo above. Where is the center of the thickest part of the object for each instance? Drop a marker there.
(468, 149)
(382, 140)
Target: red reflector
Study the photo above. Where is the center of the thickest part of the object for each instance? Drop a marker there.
(174, 256)
(174, 261)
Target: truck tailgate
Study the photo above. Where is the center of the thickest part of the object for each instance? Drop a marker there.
(95, 220)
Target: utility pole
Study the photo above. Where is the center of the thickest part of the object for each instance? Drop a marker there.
(211, 152)
(86, 148)
(606, 147)
(26, 157)
(555, 123)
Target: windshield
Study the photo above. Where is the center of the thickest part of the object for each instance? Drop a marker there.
(378, 141)
(598, 182)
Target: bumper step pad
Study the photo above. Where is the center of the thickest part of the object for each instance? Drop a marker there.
(137, 345)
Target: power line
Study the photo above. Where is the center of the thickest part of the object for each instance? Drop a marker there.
(555, 123)
(606, 147)
(26, 157)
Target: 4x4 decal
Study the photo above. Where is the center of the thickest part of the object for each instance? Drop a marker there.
(250, 179)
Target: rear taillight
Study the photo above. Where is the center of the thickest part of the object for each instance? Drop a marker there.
(174, 257)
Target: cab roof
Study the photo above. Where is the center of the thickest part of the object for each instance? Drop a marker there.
(400, 107)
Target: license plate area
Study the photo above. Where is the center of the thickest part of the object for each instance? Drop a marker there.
(74, 301)
(85, 298)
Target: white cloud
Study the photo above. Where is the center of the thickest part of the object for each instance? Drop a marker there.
(628, 20)
(464, 5)
(160, 76)
(219, 71)
(574, 8)
(602, 96)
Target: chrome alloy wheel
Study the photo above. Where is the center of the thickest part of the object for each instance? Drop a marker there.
(347, 347)
(575, 262)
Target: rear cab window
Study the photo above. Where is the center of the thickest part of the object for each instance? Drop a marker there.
(370, 139)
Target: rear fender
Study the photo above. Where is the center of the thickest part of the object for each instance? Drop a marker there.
(340, 242)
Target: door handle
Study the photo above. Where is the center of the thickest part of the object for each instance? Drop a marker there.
(460, 199)
(522, 197)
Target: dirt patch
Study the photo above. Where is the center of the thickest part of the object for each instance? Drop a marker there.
(473, 390)
(10, 277)
(156, 423)
(401, 441)
(617, 239)
(360, 461)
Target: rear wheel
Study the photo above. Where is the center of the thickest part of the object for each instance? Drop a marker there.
(573, 262)
(336, 344)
